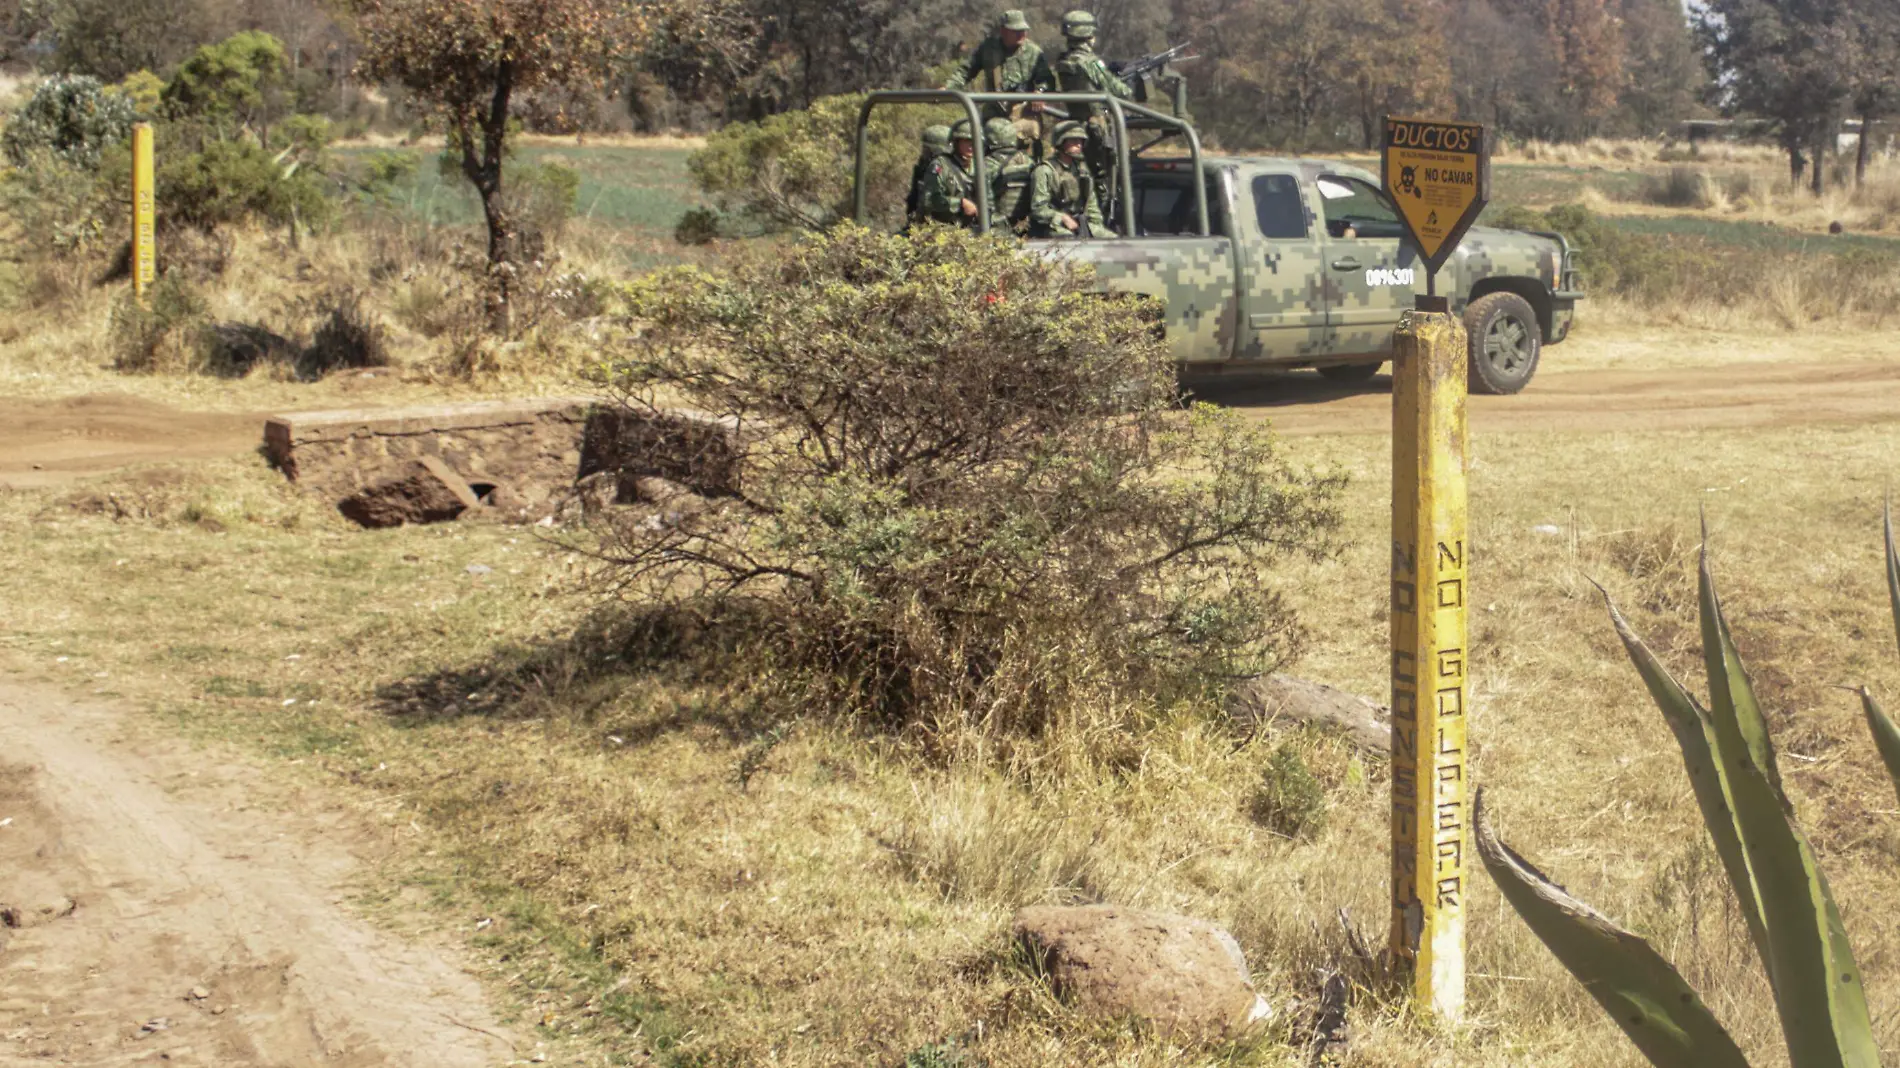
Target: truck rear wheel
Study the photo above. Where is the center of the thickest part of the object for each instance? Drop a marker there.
(1505, 343)
(1349, 372)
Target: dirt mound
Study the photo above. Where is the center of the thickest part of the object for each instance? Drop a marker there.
(46, 443)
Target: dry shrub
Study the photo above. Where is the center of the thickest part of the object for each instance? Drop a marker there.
(1685, 187)
(350, 336)
(162, 334)
(968, 499)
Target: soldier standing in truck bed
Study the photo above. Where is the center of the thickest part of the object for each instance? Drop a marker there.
(1063, 200)
(1080, 70)
(1008, 62)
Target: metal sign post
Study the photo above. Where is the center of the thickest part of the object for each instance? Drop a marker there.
(1438, 176)
(144, 216)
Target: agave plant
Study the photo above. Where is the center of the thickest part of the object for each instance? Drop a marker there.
(1785, 901)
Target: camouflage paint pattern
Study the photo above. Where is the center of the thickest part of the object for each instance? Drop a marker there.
(1252, 299)
(1192, 276)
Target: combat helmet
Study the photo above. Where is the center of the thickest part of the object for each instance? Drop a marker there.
(999, 133)
(1078, 26)
(1013, 20)
(937, 139)
(1070, 131)
(960, 131)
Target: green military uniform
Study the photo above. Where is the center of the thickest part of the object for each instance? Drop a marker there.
(1011, 171)
(994, 68)
(1080, 70)
(1065, 186)
(950, 182)
(936, 145)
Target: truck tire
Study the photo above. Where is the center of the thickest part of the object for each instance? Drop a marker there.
(1505, 343)
(1349, 372)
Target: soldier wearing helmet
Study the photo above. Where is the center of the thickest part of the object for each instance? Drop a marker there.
(936, 145)
(950, 188)
(1063, 200)
(1010, 171)
(1006, 62)
(1080, 70)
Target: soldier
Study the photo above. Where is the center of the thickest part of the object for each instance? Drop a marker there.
(1011, 171)
(1080, 70)
(1063, 201)
(936, 145)
(950, 188)
(1008, 62)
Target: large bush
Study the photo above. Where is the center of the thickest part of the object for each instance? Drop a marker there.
(795, 169)
(72, 119)
(229, 182)
(969, 500)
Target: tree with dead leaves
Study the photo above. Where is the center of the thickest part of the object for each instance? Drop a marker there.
(470, 60)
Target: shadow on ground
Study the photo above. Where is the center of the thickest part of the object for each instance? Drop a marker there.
(667, 663)
(1283, 389)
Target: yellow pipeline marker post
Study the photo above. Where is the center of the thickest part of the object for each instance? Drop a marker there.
(1430, 695)
(144, 213)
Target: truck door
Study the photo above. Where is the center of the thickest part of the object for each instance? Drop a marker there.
(1370, 272)
(1282, 276)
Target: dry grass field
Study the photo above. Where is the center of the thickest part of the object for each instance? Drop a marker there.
(665, 875)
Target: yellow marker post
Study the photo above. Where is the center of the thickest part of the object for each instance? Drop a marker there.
(144, 212)
(1430, 694)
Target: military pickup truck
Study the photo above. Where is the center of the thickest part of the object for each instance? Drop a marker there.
(1271, 263)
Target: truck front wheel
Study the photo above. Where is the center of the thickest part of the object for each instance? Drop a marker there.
(1505, 342)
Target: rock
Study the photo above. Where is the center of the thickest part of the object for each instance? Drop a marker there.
(43, 908)
(1258, 703)
(199, 993)
(1836, 228)
(1182, 974)
(430, 492)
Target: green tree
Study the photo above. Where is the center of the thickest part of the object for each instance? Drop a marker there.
(469, 60)
(238, 83)
(1875, 31)
(1666, 78)
(1783, 60)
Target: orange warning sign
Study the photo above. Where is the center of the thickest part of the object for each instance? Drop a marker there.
(1438, 175)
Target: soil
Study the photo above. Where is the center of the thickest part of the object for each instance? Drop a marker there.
(162, 906)
(1599, 401)
(46, 442)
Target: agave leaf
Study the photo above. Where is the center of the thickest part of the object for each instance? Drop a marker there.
(1695, 736)
(1893, 573)
(1886, 737)
(1640, 990)
(1729, 688)
(1811, 966)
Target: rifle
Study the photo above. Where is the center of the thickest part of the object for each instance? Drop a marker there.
(1130, 69)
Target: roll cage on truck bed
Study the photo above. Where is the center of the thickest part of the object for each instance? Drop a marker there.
(1124, 115)
(1267, 263)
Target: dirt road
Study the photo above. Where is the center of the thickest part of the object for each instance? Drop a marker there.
(162, 908)
(1700, 398)
(50, 442)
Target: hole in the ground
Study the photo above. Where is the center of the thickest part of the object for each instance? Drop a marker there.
(483, 490)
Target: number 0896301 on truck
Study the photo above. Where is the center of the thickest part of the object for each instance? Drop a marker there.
(1271, 263)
